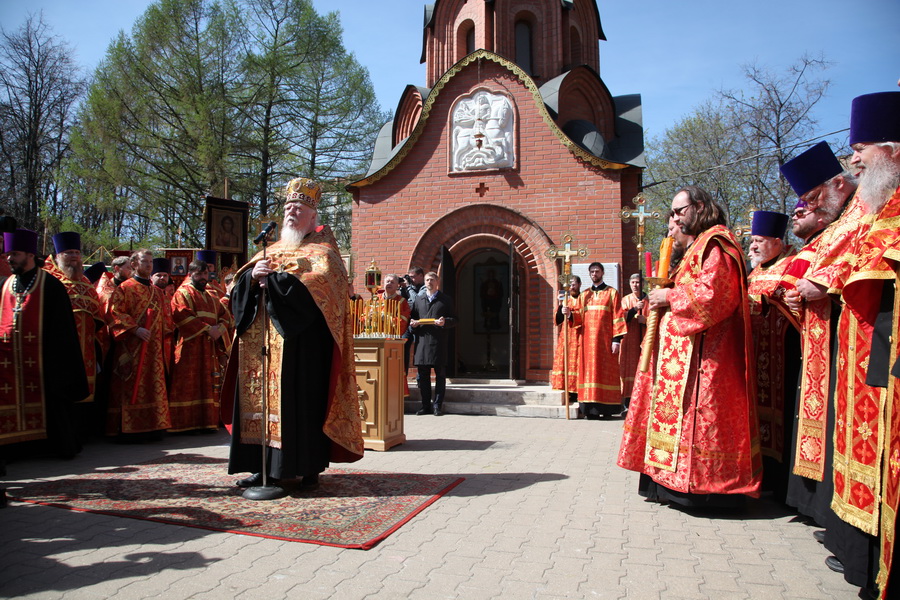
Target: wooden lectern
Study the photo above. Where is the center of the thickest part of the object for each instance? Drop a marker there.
(380, 381)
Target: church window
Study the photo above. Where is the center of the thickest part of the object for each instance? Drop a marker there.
(575, 47)
(465, 39)
(523, 46)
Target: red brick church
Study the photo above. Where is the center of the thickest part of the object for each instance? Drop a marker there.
(514, 142)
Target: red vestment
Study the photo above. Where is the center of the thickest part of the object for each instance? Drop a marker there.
(199, 360)
(630, 352)
(572, 353)
(692, 424)
(90, 321)
(770, 319)
(870, 461)
(598, 367)
(822, 261)
(138, 401)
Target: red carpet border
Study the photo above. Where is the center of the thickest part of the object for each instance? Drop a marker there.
(351, 509)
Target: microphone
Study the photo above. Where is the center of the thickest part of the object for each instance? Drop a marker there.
(265, 233)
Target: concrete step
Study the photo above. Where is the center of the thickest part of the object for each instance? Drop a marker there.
(502, 397)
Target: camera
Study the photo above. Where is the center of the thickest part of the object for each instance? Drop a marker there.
(407, 279)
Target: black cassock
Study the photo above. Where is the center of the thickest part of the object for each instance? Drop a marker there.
(305, 378)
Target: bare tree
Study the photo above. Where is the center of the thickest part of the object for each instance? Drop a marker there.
(39, 87)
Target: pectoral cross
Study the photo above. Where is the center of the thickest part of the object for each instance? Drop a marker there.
(567, 253)
(641, 216)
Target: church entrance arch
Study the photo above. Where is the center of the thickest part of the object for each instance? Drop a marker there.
(499, 262)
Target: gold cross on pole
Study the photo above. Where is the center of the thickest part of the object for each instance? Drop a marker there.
(743, 230)
(566, 253)
(640, 215)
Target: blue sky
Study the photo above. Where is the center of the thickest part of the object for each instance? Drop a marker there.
(675, 54)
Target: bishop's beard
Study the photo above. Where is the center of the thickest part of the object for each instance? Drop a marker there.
(70, 271)
(292, 237)
(878, 182)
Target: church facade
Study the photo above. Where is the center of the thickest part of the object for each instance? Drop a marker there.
(513, 143)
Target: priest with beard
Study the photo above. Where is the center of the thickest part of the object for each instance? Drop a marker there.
(199, 353)
(692, 430)
(312, 411)
(43, 374)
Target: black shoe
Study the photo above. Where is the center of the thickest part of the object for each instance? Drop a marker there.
(423, 411)
(834, 564)
(3, 501)
(437, 411)
(309, 483)
(255, 480)
(819, 534)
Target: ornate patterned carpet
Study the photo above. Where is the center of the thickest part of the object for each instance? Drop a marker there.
(351, 509)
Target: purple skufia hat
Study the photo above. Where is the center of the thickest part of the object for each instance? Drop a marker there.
(207, 256)
(20, 240)
(67, 240)
(95, 271)
(769, 224)
(161, 265)
(811, 168)
(875, 118)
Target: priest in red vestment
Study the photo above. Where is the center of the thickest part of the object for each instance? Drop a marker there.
(200, 354)
(217, 290)
(89, 312)
(635, 308)
(568, 316)
(867, 442)
(692, 428)
(43, 376)
(140, 320)
(776, 346)
(826, 218)
(313, 409)
(603, 325)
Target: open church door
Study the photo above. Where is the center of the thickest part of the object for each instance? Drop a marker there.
(514, 345)
(448, 286)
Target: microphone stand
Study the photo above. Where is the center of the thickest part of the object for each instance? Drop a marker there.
(265, 491)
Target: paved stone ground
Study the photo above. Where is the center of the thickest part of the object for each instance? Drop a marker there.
(543, 513)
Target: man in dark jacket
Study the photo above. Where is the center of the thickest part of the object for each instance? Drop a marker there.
(432, 314)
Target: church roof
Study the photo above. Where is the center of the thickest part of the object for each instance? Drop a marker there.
(581, 139)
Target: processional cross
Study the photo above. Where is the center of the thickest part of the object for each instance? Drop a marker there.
(640, 215)
(567, 253)
(742, 231)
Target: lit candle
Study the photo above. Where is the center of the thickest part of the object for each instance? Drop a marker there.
(665, 257)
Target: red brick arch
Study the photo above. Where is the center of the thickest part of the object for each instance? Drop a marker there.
(485, 225)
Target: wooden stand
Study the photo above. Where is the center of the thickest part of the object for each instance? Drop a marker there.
(380, 379)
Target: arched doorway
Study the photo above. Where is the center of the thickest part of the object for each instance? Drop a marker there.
(483, 306)
(471, 241)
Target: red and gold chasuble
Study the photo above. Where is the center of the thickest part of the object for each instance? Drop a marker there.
(87, 310)
(630, 352)
(138, 401)
(770, 320)
(822, 261)
(318, 265)
(23, 410)
(199, 360)
(884, 234)
(692, 425)
(878, 265)
(598, 369)
(571, 353)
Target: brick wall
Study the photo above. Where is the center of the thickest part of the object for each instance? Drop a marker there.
(405, 217)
